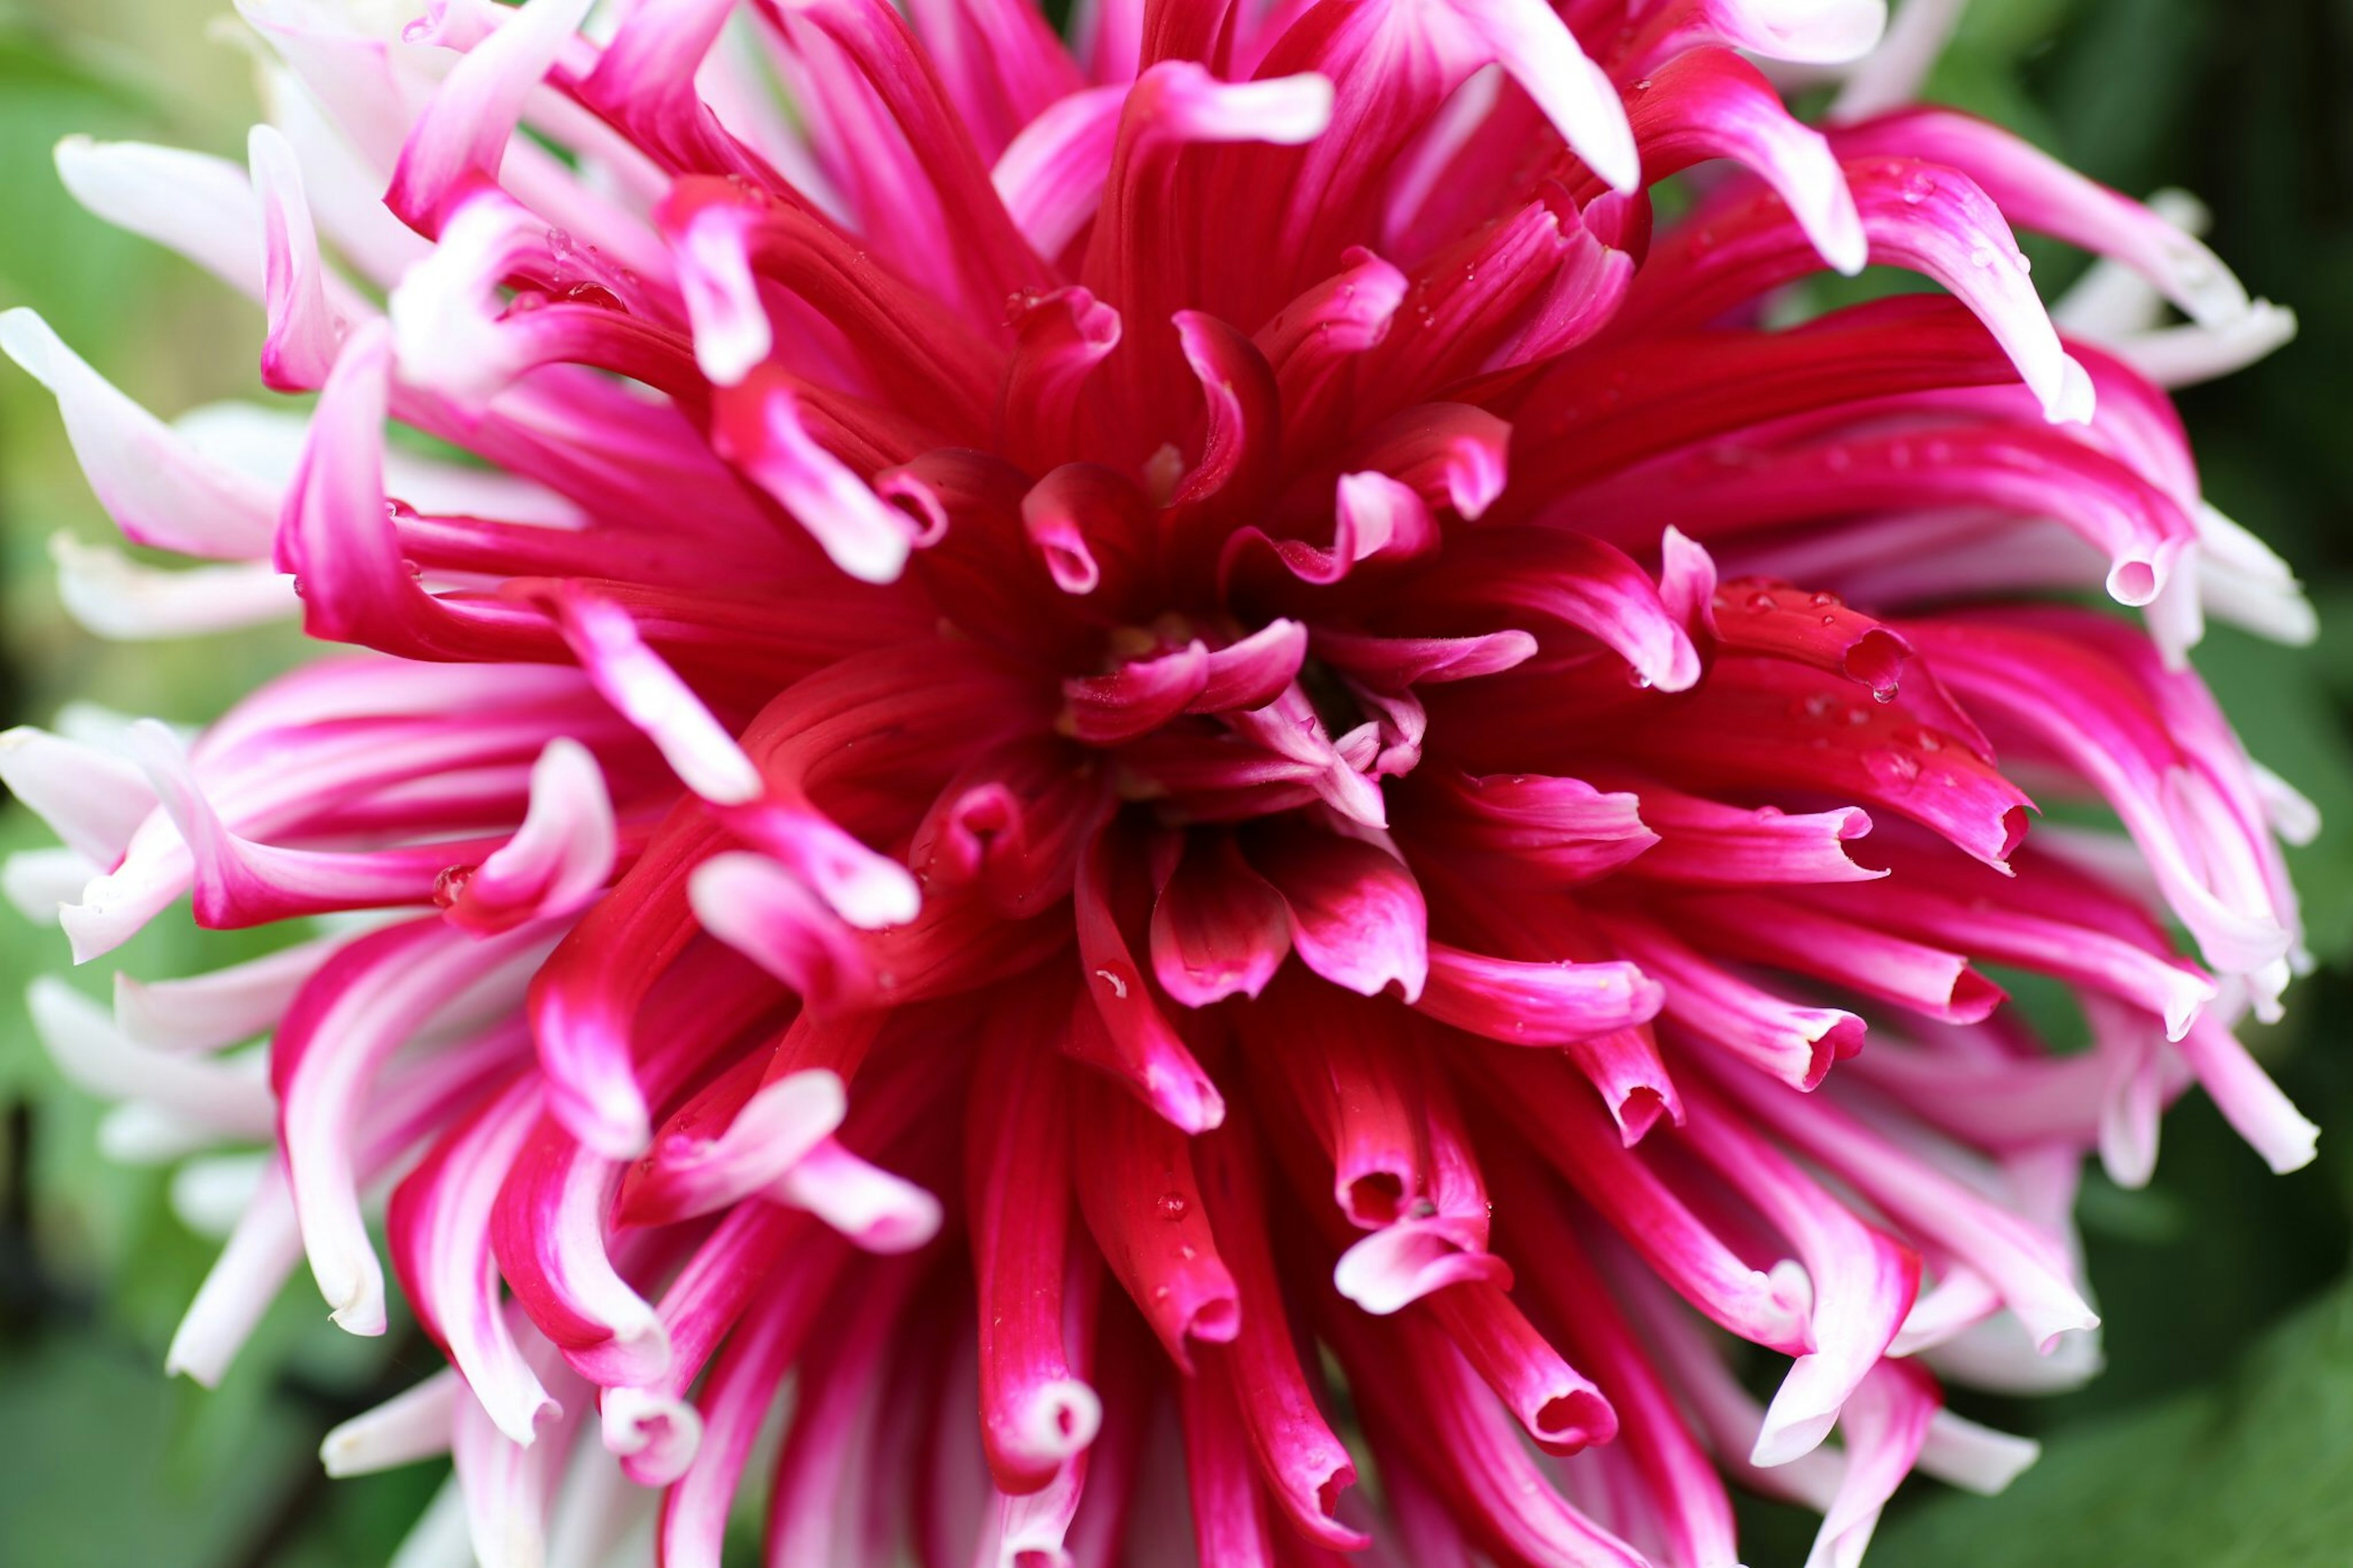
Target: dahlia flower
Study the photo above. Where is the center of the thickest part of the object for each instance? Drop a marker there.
(1175, 776)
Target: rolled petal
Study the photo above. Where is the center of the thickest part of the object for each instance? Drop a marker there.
(1143, 1204)
(1036, 1412)
(362, 1006)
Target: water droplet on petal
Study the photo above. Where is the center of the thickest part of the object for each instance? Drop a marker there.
(451, 885)
(1893, 768)
(1172, 1205)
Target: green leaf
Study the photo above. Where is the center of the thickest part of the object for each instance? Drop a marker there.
(94, 1478)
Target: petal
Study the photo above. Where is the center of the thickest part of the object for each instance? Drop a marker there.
(1356, 914)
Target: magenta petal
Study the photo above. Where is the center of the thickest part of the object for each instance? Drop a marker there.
(1356, 915)
(1118, 1025)
(1559, 1407)
(1537, 1003)
(1218, 929)
(1143, 1202)
(1541, 1098)
(1036, 1411)
(1303, 1463)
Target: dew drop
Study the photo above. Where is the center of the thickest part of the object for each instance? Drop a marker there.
(595, 294)
(1117, 982)
(1981, 257)
(1761, 603)
(451, 885)
(1171, 1206)
(1893, 768)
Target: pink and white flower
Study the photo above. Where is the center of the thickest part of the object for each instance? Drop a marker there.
(1108, 738)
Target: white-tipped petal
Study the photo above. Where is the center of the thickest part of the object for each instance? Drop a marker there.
(91, 799)
(878, 1211)
(1976, 1459)
(81, 1037)
(40, 882)
(200, 205)
(158, 488)
(413, 1425)
(123, 600)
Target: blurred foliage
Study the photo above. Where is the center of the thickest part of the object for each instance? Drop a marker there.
(2222, 1434)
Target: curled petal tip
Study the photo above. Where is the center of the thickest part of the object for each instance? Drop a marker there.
(655, 1437)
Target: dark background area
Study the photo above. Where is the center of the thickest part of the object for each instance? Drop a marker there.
(2220, 1434)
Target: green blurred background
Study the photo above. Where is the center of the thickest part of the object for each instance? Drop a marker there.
(2222, 1434)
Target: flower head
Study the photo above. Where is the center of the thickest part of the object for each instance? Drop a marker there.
(1085, 716)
